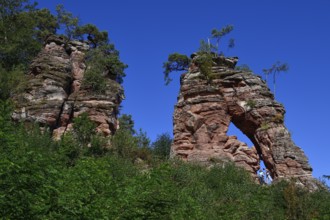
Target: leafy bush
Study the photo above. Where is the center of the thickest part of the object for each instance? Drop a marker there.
(204, 62)
(251, 103)
(36, 183)
(84, 129)
(162, 146)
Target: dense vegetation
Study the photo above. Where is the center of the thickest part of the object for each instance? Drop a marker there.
(24, 29)
(88, 176)
(77, 178)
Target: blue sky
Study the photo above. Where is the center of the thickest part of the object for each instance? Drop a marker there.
(265, 31)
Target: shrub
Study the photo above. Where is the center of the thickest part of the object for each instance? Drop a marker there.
(83, 129)
(251, 103)
(278, 118)
(94, 81)
(204, 62)
(264, 126)
(162, 146)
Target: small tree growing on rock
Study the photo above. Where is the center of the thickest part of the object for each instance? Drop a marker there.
(175, 62)
(94, 36)
(207, 51)
(103, 62)
(276, 68)
(67, 21)
(219, 34)
(84, 129)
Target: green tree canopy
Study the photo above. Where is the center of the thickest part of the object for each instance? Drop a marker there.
(179, 62)
(175, 62)
(103, 61)
(126, 122)
(84, 129)
(22, 31)
(92, 34)
(219, 34)
(67, 21)
(162, 146)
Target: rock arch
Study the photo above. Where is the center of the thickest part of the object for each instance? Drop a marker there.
(205, 110)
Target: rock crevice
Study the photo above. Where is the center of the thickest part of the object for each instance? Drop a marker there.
(54, 97)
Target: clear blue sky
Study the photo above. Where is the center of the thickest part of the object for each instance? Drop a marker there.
(296, 32)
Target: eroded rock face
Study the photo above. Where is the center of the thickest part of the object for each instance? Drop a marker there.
(54, 97)
(205, 110)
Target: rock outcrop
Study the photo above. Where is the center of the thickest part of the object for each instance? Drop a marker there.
(54, 96)
(206, 108)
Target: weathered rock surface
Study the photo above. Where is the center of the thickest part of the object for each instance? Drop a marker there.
(53, 96)
(205, 110)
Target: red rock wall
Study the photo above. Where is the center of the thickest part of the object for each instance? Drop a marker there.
(53, 97)
(203, 114)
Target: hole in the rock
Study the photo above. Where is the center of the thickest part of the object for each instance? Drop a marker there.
(264, 175)
(262, 165)
(234, 131)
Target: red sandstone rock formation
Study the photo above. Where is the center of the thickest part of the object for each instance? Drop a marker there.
(205, 109)
(53, 97)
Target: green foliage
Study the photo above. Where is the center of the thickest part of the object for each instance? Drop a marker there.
(95, 188)
(123, 143)
(175, 62)
(290, 193)
(37, 183)
(231, 43)
(327, 176)
(243, 67)
(20, 32)
(69, 149)
(276, 68)
(93, 80)
(6, 129)
(79, 178)
(46, 24)
(206, 47)
(103, 62)
(219, 34)
(28, 172)
(142, 139)
(11, 81)
(162, 146)
(251, 103)
(204, 61)
(127, 145)
(67, 21)
(84, 129)
(74, 145)
(126, 123)
(93, 35)
(98, 146)
(264, 126)
(207, 51)
(23, 30)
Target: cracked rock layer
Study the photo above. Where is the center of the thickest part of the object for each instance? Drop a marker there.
(205, 110)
